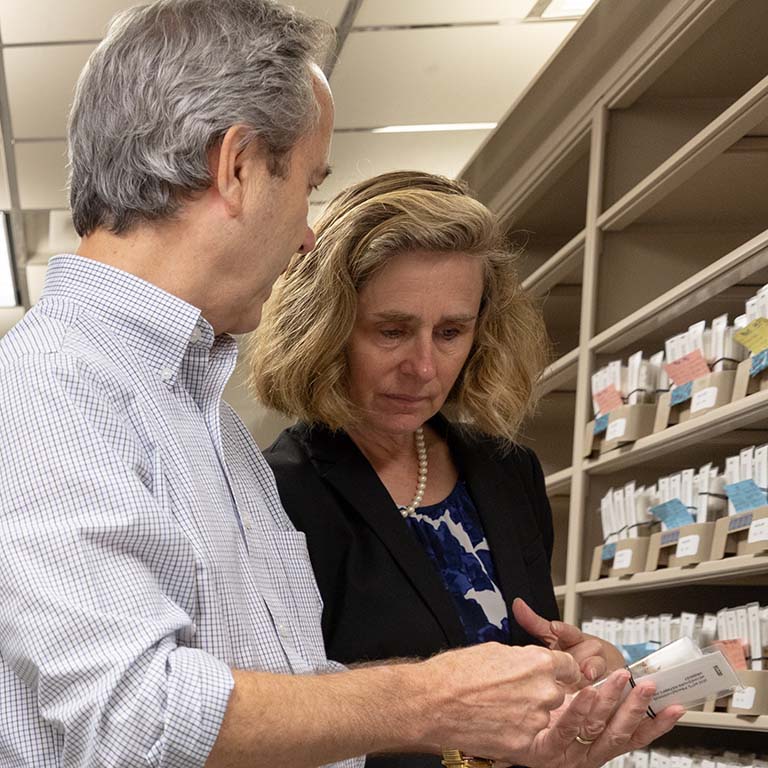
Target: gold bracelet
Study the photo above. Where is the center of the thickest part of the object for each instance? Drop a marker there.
(455, 758)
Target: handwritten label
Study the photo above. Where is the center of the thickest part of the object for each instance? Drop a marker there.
(745, 495)
(703, 399)
(737, 522)
(758, 531)
(672, 513)
(622, 559)
(616, 429)
(755, 336)
(601, 424)
(681, 394)
(687, 545)
(687, 368)
(609, 550)
(759, 363)
(744, 699)
(608, 399)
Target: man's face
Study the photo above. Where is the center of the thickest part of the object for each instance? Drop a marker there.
(274, 225)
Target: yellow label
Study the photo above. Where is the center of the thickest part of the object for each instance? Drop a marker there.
(755, 336)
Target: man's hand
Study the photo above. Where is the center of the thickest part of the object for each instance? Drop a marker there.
(492, 700)
(595, 657)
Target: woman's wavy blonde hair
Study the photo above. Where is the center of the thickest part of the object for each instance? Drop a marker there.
(298, 363)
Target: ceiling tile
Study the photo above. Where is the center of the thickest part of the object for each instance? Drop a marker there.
(358, 156)
(422, 76)
(390, 12)
(42, 175)
(41, 81)
(35, 21)
(330, 10)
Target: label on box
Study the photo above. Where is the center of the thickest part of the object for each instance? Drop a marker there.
(608, 399)
(687, 368)
(687, 545)
(740, 521)
(608, 551)
(754, 336)
(635, 651)
(704, 398)
(616, 429)
(670, 537)
(622, 559)
(601, 424)
(745, 495)
(681, 394)
(758, 531)
(744, 699)
(759, 363)
(672, 513)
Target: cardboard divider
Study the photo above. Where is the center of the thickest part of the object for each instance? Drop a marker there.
(744, 384)
(753, 698)
(743, 534)
(684, 546)
(629, 557)
(626, 424)
(707, 393)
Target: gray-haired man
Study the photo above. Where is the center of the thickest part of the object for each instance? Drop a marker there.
(155, 595)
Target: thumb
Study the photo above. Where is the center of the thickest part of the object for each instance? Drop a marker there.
(535, 625)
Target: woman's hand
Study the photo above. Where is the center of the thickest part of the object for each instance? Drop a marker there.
(606, 726)
(595, 657)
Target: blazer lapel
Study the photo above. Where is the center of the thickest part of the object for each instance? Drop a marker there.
(348, 471)
(498, 497)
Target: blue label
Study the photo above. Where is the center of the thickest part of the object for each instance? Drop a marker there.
(682, 393)
(759, 363)
(609, 551)
(670, 537)
(740, 521)
(601, 424)
(745, 495)
(672, 513)
(636, 651)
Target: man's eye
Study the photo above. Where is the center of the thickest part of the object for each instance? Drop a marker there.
(450, 333)
(391, 333)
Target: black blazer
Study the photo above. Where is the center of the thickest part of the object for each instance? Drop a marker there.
(382, 595)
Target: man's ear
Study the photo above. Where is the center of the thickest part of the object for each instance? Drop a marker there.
(226, 161)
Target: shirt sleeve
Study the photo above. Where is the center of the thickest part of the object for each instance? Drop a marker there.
(97, 580)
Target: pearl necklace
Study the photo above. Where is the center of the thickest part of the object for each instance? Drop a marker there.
(421, 453)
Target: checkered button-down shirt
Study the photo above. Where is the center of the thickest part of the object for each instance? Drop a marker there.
(143, 548)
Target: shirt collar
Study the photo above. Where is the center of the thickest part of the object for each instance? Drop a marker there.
(156, 324)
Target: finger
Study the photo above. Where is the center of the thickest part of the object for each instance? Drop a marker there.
(567, 634)
(574, 717)
(651, 729)
(535, 625)
(609, 696)
(567, 671)
(594, 668)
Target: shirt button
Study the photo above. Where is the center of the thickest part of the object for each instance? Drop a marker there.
(248, 525)
(284, 631)
(196, 335)
(166, 374)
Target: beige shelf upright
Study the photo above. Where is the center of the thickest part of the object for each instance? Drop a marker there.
(635, 168)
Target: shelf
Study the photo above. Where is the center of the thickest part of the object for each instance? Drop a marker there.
(667, 578)
(702, 149)
(557, 267)
(559, 482)
(561, 372)
(724, 720)
(560, 590)
(728, 418)
(732, 268)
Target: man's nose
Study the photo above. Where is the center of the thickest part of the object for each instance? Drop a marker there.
(309, 241)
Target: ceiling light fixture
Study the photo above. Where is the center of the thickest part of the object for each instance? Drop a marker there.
(435, 127)
(8, 295)
(559, 9)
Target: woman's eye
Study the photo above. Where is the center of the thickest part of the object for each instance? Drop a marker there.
(391, 333)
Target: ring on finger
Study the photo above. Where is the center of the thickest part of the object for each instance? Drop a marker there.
(585, 742)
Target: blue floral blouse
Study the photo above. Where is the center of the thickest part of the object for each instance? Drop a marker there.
(453, 537)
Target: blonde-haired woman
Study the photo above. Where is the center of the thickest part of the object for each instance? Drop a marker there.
(422, 530)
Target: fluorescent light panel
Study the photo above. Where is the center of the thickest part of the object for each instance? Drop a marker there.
(566, 8)
(8, 297)
(435, 127)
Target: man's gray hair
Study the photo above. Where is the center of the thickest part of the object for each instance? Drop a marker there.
(165, 85)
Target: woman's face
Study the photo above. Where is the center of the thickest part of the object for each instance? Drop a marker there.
(415, 325)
